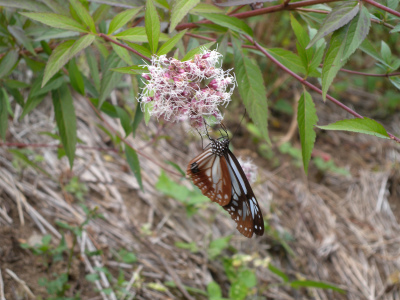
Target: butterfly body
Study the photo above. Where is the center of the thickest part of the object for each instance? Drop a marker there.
(219, 176)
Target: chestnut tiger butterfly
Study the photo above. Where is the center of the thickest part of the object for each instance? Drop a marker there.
(219, 176)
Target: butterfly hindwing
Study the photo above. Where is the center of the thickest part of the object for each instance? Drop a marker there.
(243, 208)
(210, 174)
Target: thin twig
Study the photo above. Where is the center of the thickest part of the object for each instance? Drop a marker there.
(24, 145)
(21, 282)
(2, 297)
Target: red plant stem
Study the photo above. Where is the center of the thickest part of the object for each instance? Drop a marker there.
(261, 11)
(311, 86)
(236, 9)
(383, 7)
(23, 145)
(107, 38)
(126, 142)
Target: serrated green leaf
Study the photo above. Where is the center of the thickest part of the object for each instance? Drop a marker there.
(122, 53)
(180, 9)
(110, 79)
(8, 62)
(63, 53)
(367, 47)
(152, 25)
(94, 69)
(122, 18)
(29, 5)
(168, 45)
(251, 88)
(307, 119)
(386, 53)
(135, 34)
(19, 34)
(206, 8)
(366, 125)
(56, 21)
(190, 55)
(66, 120)
(137, 119)
(147, 108)
(83, 14)
(133, 162)
(288, 59)
(315, 284)
(357, 32)
(4, 103)
(303, 39)
(232, 23)
(278, 272)
(339, 16)
(139, 48)
(134, 70)
(238, 291)
(75, 77)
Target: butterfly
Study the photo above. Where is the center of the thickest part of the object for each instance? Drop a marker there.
(219, 176)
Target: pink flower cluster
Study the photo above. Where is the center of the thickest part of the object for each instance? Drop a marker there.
(187, 90)
(249, 169)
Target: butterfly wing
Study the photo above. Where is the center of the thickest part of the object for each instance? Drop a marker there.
(243, 207)
(210, 174)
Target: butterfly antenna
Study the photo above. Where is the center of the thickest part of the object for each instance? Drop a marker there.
(239, 124)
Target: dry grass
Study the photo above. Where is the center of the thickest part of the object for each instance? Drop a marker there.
(346, 234)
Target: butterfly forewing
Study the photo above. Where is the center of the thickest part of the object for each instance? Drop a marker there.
(210, 174)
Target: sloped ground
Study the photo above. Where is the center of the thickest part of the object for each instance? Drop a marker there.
(342, 230)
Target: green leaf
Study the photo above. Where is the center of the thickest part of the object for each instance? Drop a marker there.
(83, 14)
(63, 53)
(339, 16)
(110, 79)
(395, 29)
(303, 39)
(19, 34)
(134, 70)
(94, 69)
(278, 272)
(125, 120)
(122, 53)
(315, 284)
(172, 189)
(395, 80)
(358, 30)
(217, 246)
(180, 9)
(4, 103)
(206, 8)
(8, 62)
(21, 156)
(135, 34)
(214, 290)
(368, 48)
(168, 45)
(248, 278)
(307, 119)
(147, 108)
(141, 49)
(75, 77)
(176, 166)
(190, 55)
(232, 23)
(25, 4)
(56, 21)
(386, 53)
(137, 119)
(152, 25)
(133, 162)
(252, 89)
(366, 125)
(122, 18)
(66, 120)
(238, 291)
(288, 59)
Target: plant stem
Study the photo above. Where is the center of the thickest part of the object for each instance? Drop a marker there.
(311, 86)
(383, 7)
